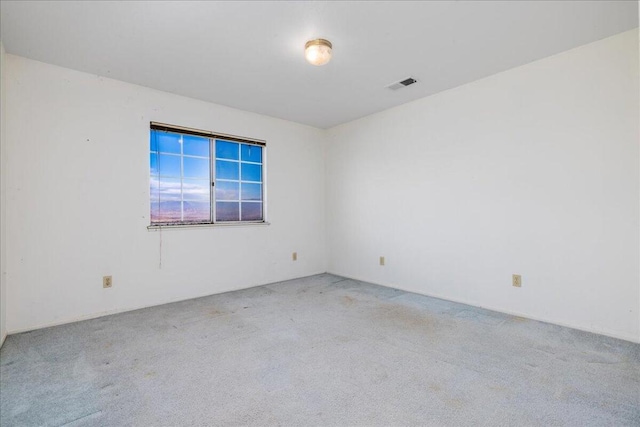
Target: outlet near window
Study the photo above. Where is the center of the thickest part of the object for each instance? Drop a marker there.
(107, 281)
(516, 280)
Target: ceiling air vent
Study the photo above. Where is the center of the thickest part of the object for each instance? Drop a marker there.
(406, 82)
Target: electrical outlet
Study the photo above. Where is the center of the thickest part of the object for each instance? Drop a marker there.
(107, 281)
(294, 256)
(381, 260)
(516, 280)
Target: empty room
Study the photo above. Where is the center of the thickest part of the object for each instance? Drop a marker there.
(320, 213)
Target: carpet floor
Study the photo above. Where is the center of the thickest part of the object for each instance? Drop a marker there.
(323, 351)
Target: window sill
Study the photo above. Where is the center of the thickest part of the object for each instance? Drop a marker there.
(216, 225)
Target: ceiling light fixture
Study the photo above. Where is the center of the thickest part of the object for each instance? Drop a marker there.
(318, 51)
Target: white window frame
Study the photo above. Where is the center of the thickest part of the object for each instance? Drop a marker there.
(213, 137)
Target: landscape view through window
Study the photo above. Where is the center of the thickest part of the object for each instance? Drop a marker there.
(180, 179)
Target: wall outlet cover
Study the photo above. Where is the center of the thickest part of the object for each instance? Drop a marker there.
(516, 280)
(107, 281)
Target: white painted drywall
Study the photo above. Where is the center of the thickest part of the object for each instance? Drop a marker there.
(78, 194)
(3, 202)
(531, 171)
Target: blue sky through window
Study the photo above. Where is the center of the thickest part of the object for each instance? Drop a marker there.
(180, 168)
(239, 187)
(180, 178)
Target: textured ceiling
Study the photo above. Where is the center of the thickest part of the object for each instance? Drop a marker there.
(249, 55)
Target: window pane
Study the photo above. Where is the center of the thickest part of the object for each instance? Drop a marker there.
(251, 172)
(251, 153)
(153, 141)
(155, 211)
(251, 211)
(180, 179)
(165, 211)
(196, 190)
(169, 165)
(154, 188)
(226, 170)
(227, 190)
(251, 191)
(196, 168)
(227, 211)
(153, 164)
(195, 146)
(196, 211)
(168, 142)
(227, 150)
(169, 189)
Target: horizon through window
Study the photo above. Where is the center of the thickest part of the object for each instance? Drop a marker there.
(182, 190)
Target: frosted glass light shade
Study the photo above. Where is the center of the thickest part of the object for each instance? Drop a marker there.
(318, 51)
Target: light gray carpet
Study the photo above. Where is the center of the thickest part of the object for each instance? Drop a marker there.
(321, 350)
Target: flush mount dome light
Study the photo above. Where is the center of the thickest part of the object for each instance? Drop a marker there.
(318, 51)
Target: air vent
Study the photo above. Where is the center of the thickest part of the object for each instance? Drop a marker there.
(406, 82)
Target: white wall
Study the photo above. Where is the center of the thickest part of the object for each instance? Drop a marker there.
(532, 171)
(3, 204)
(78, 193)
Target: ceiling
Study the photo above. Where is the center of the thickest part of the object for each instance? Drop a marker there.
(249, 55)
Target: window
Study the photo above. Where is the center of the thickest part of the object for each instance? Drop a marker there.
(182, 162)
